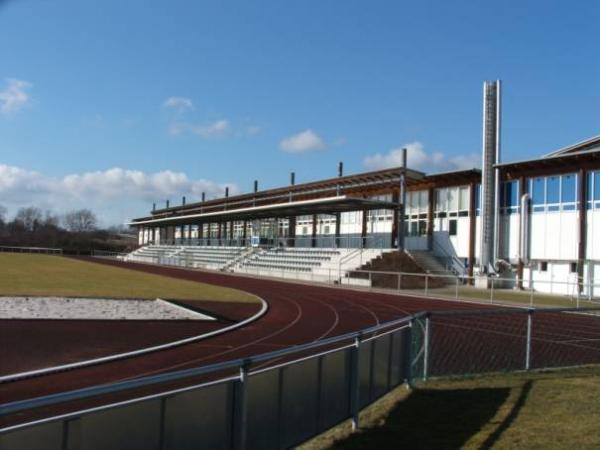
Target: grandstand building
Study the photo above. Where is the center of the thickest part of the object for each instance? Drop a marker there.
(534, 220)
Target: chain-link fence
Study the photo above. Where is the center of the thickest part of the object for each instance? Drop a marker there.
(472, 342)
(282, 398)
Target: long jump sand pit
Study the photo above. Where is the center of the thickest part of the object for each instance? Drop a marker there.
(56, 311)
(65, 308)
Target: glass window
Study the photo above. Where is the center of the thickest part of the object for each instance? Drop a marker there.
(413, 228)
(423, 200)
(452, 227)
(511, 197)
(453, 199)
(440, 199)
(568, 189)
(463, 201)
(553, 190)
(537, 191)
(596, 185)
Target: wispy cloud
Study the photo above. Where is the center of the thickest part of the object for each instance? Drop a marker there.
(303, 142)
(419, 159)
(179, 104)
(15, 96)
(219, 128)
(101, 190)
(215, 129)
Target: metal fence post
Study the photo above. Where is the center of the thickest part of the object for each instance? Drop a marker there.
(407, 354)
(399, 281)
(492, 291)
(456, 288)
(370, 280)
(426, 284)
(528, 341)
(355, 383)
(426, 345)
(239, 410)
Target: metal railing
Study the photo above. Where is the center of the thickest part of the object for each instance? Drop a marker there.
(45, 250)
(108, 254)
(322, 241)
(282, 398)
(533, 293)
(274, 400)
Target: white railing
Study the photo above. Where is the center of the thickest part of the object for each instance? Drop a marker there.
(45, 250)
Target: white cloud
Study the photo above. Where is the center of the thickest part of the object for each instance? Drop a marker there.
(219, 128)
(252, 130)
(212, 130)
(419, 159)
(15, 96)
(179, 104)
(305, 141)
(114, 194)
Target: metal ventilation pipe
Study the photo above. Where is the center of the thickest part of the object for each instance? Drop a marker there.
(292, 182)
(255, 191)
(183, 200)
(524, 229)
(490, 181)
(204, 196)
(402, 208)
(167, 203)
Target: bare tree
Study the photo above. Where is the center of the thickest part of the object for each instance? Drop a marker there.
(51, 219)
(3, 212)
(81, 220)
(30, 218)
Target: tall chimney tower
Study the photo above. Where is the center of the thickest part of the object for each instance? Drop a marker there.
(490, 181)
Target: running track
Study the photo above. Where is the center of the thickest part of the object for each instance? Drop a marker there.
(298, 313)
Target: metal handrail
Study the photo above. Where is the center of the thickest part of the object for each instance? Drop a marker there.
(15, 249)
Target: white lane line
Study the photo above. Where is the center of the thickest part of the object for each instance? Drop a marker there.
(142, 351)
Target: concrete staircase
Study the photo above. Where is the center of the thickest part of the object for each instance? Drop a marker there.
(429, 262)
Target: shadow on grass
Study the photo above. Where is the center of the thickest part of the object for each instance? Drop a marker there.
(434, 419)
(508, 420)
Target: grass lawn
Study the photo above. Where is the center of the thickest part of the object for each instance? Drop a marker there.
(545, 410)
(28, 274)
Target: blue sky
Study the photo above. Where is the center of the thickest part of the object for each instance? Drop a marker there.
(117, 104)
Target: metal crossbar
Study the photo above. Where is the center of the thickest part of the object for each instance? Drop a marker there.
(336, 377)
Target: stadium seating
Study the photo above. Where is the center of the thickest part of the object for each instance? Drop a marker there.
(318, 264)
(216, 258)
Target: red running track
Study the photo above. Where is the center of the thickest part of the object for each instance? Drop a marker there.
(298, 313)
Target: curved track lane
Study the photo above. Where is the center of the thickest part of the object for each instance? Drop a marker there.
(298, 313)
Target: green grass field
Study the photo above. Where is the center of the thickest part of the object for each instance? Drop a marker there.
(28, 274)
(545, 410)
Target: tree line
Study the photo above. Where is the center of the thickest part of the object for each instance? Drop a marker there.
(76, 231)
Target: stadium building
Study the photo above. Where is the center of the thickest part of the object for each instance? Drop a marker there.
(528, 221)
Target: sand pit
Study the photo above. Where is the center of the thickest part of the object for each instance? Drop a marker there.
(64, 308)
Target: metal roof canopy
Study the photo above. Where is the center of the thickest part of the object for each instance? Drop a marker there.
(328, 205)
